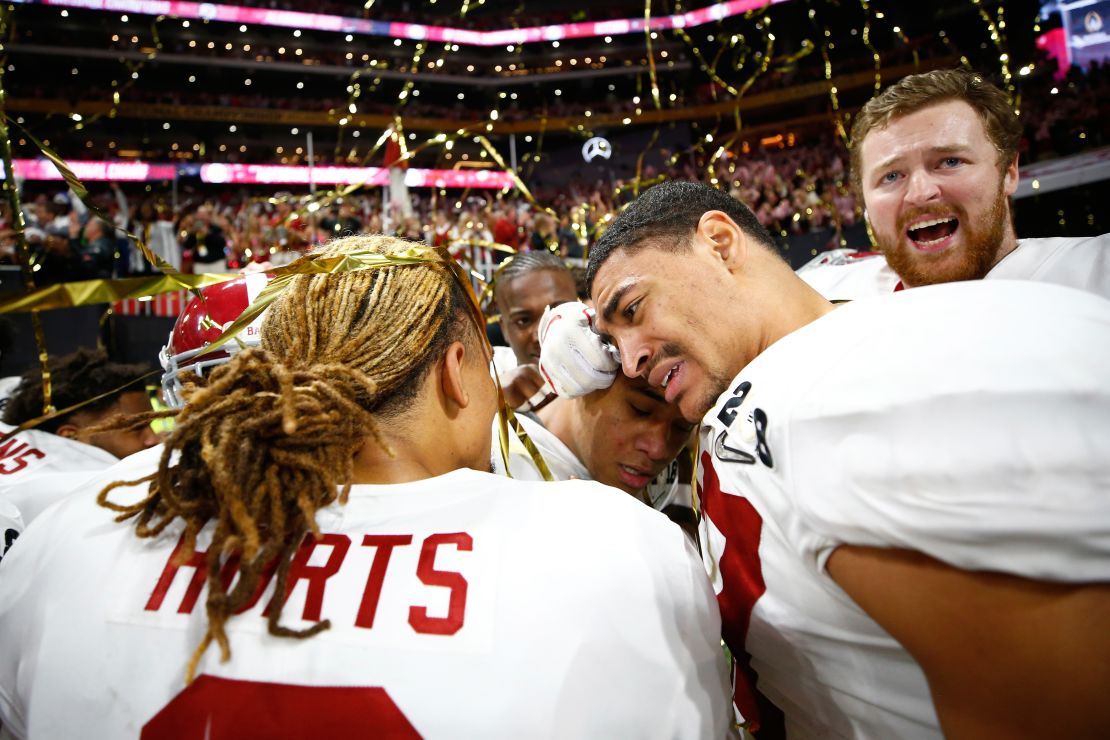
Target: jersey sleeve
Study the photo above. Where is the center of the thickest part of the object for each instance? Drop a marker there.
(986, 447)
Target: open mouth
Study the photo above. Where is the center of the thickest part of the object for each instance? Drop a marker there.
(672, 382)
(934, 231)
(634, 477)
(669, 375)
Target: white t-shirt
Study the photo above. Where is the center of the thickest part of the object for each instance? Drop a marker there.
(1076, 262)
(666, 489)
(467, 605)
(969, 422)
(38, 468)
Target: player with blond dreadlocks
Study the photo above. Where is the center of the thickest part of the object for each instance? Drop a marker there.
(333, 484)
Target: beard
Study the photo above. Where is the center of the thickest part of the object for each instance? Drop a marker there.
(972, 261)
(718, 385)
(717, 382)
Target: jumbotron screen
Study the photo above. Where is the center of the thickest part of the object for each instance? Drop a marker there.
(1084, 35)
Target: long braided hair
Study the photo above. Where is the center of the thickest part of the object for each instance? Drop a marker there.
(272, 437)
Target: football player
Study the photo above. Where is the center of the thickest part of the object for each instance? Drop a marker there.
(525, 287)
(321, 550)
(38, 466)
(904, 499)
(619, 433)
(934, 159)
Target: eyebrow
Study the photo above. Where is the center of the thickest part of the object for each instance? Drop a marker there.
(614, 301)
(946, 149)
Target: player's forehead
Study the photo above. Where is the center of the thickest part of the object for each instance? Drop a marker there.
(948, 125)
(535, 290)
(631, 274)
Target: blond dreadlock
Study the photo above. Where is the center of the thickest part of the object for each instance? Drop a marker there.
(272, 438)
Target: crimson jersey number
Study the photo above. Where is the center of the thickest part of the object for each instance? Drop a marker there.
(227, 709)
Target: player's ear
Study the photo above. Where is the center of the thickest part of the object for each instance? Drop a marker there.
(69, 431)
(727, 240)
(1010, 177)
(452, 381)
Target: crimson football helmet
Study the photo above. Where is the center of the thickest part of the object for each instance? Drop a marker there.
(201, 323)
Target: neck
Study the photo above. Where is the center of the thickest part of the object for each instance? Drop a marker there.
(1009, 243)
(785, 304)
(402, 458)
(558, 418)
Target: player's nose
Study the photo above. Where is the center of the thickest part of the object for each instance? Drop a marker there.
(635, 355)
(921, 187)
(653, 442)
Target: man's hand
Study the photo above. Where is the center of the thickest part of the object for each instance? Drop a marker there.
(524, 388)
(573, 357)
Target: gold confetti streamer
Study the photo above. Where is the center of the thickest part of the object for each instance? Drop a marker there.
(23, 251)
(867, 42)
(94, 292)
(496, 156)
(651, 56)
(998, 38)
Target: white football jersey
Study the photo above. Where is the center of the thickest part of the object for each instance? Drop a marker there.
(666, 489)
(1076, 262)
(467, 605)
(562, 463)
(38, 468)
(11, 525)
(968, 421)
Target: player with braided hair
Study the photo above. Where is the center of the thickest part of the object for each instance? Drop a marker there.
(333, 484)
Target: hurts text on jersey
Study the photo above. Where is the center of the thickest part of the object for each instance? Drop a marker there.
(316, 577)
